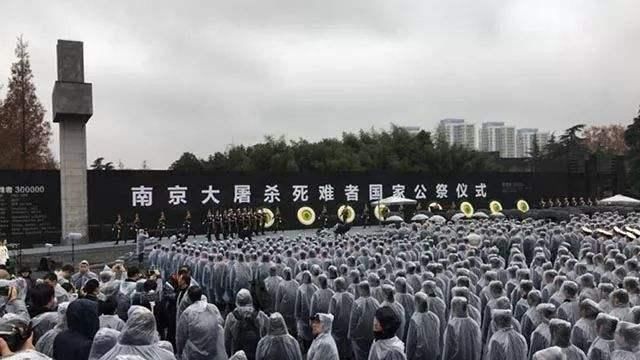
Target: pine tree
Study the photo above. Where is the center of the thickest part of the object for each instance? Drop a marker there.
(24, 133)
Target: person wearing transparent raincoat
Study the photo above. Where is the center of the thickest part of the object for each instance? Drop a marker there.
(286, 300)
(361, 322)
(387, 346)
(584, 332)
(139, 338)
(45, 343)
(423, 334)
(200, 334)
(340, 307)
(627, 339)
(505, 343)
(323, 346)
(604, 344)
(104, 341)
(278, 344)
(462, 337)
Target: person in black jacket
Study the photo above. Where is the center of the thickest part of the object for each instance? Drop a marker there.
(165, 311)
(83, 322)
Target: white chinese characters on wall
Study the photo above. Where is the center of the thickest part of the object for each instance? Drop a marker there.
(143, 196)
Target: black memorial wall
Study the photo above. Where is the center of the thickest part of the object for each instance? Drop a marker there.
(30, 209)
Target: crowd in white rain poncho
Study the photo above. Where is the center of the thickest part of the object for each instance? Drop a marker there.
(488, 289)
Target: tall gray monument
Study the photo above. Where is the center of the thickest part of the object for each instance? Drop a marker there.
(72, 108)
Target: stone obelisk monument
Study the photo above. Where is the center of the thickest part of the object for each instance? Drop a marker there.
(72, 108)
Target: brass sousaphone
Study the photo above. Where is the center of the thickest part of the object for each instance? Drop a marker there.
(380, 212)
(346, 214)
(523, 206)
(269, 218)
(306, 215)
(495, 207)
(467, 209)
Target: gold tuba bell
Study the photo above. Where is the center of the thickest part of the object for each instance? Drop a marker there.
(306, 215)
(269, 219)
(523, 206)
(346, 214)
(467, 209)
(380, 212)
(495, 207)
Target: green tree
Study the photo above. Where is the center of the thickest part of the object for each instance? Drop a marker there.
(24, 133)
(372, 150)
(187, 162)
(99, 164)
(632, 139)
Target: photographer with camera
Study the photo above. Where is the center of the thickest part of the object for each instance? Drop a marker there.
(16, 339)
(9, 302)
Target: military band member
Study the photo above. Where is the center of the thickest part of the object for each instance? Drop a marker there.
(365, 216)
(543, 204)
(342, 218)
(135, 226)
(231, 221)
(261, 221)
(186, 225)
(209, 224)
(237, 222)
(581, 201)
(323, 218)
(162, 225)
(116, 230)
(574, 202)
(226, 224)
(589, 202)
(277, 221)
(219, 229)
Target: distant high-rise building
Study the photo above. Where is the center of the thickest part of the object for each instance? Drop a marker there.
(496, 137)
(489, 134)
(524, 142)
(543, 139)
(458, 132)
(525, 139)
(413, 130)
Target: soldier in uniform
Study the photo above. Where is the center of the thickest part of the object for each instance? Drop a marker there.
(261, 221)
(116, 230)
(253, 222)
(543, 204)
(581, 201)
(232, 223)
(217, 218)
(162, 225)
(208, 224)
(187, 226)
(277, 223)
(323, 219)
(227, 224)
(365, 216)
(137, 223)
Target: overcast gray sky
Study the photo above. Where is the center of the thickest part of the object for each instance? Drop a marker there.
(174, 76)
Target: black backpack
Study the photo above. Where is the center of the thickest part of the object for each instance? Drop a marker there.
(247, 333)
